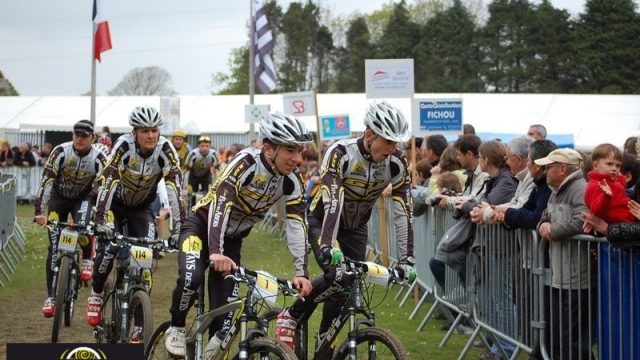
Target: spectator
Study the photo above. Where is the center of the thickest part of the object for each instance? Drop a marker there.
(435, 146)
(419, 192)
(448, 163)
(562, 219)
(24, 157)
(35, 150)
(309, 152)
(630, 170)
(537, 132)
(44, 154)
(6, 155)
(468, 129)
(630, 146)
(605, 194)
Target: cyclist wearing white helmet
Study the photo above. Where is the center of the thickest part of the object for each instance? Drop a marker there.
(353, 175)
(242, 194)
(129, 182)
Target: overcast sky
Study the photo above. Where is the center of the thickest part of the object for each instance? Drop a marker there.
(46, 45)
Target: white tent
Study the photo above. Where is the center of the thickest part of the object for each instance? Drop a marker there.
(592, 119)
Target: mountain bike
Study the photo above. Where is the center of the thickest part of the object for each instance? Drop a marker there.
(66, 272)
(364, 339)
(262, 291)
(126, 313)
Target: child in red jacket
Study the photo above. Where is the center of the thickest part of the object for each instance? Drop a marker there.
(605, 193)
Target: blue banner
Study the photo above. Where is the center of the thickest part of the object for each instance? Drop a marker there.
(335, 127)
(440, 115)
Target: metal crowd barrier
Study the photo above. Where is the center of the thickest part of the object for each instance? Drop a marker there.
(28, 180)
(571, 299)
(12, 241)
(274, 219)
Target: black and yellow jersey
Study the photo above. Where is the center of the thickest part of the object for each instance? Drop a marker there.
(243, 194)
(351, 183)
(69, 173)
(132, 179)
(199, 165)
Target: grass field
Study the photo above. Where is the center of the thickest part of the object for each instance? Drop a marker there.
(21, 320)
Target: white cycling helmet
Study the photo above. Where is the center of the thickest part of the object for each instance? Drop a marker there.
(284, 129)
(387, 121)
(145, 117)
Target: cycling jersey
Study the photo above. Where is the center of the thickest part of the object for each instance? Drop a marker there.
(200, 165)
(131, 178)
(183, 152)
(351, 183)
(69, 174)
(243, 194)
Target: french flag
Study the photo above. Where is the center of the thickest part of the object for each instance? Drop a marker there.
(102, 36)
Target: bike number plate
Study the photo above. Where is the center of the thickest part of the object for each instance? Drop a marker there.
(142, 255)
(68, 240)
(377, 274)
(267, 287)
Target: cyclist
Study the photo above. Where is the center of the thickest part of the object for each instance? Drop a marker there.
(252, 182)
(137, 163)
(353, 175)
(179, 141)
(66, 187)
(198, 166)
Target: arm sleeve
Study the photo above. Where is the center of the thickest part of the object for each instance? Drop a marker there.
(173, 181)
(48, 177)
(296, 223)
(402, 205)
(109, 179)
(596, 200)
(332, 193)
(528, 216)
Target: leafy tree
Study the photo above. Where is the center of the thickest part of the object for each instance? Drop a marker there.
(349, 66)
(400, 35)
(447, 56)
(6, 88)
(322, 55)
(238, 81)
(299, 29)
(506, 46)
(608, 43)
(151, 80)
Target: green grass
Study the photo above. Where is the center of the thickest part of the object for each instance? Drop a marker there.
(22, 298)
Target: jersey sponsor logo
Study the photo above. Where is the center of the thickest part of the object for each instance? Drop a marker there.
(358, 169)
(259, 182)
(192, 244)
(53, 216)
(362, 184)
(218, 213)
(334, 199)
(255, 196)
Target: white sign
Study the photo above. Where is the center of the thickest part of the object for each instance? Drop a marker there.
(299, 103)
(389, 78)
(170, 111)
(253, 113)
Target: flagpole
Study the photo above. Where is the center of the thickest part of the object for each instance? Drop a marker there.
(93, 73)
(252, 80)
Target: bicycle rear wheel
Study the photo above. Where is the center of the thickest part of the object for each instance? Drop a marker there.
(140, 321)
(155, 349)
(373, 343)
(61, 295)
(266, 348)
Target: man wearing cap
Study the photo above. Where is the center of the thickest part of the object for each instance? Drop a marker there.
(569, 305)
(67, 181)
(179, 142)
(197, 167)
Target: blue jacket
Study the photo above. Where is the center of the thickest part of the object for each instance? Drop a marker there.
(528, 216)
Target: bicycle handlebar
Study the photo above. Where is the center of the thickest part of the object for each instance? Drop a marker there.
(363, 267)
(243, 274)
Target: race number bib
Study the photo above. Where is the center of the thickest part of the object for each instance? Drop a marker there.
(142, 255)
(68, 240)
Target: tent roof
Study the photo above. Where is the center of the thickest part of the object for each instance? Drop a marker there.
(591, 119)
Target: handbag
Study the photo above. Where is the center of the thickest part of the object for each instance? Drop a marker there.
(459, 235)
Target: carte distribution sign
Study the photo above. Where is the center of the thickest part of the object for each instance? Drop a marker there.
(335, 127)
(441, 116)
(389, 78)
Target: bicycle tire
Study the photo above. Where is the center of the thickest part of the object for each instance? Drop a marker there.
(155, 348)
(110, 329)
(393, 348)
(267, 348)
(70, 305)
(140, 307)
(61, 295)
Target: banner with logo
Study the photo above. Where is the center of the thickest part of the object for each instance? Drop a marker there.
(61, 351)
(253, 113)
(441, 116)
(389, 78)
(335, 127)
(299, 103)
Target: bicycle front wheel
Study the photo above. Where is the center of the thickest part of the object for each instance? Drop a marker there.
(155, 349)
(266, 348)
(373, 343)
(140, 322)
(61, 295)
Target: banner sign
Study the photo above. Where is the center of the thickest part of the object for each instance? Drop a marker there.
(170, 111)
(389, 78)
(335, 127)
(253, 113)
(441, 116)
(61, 351)
(299, 103)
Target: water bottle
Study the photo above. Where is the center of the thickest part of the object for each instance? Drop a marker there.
(214, 345)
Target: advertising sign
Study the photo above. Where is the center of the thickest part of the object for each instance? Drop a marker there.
(299, 103)
(441, 116)
(253, 113)
(335, 127)
(389, 78)
(170, 111)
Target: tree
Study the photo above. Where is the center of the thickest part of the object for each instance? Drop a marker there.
(151, 80)
(506, 46)
(299, 29)
(238, 81)
(349, 65)
(400, 35)
(6, 88)
(322, 54)
(608, 41)
(447, 56)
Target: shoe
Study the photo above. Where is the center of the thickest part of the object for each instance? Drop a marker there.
(94, 309)
(136, 335)
(286, 328)
(174, 341)
(87, 270)
(49, 307)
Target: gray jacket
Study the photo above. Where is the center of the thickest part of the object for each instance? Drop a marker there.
(569, 257)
